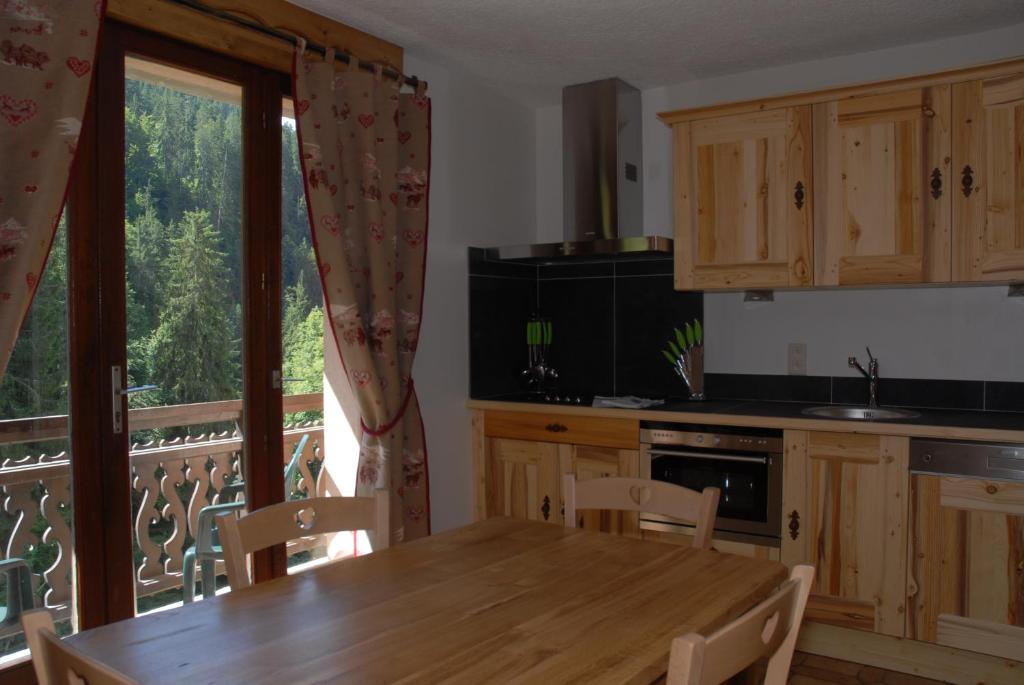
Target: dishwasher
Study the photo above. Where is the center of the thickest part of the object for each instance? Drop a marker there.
(965, 575)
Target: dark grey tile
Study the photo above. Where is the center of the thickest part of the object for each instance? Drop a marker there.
(644, 267)
(1004, 396)
(582, 318)
(498, 310)
(646, 311)
(911, 392)
(769, 388)
(576, 270)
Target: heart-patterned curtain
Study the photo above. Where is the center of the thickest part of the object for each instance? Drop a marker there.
(47, 49)
(365, 149)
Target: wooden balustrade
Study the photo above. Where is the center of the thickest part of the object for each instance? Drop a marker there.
(172, 480)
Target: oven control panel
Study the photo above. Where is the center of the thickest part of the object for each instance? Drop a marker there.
(711, 440)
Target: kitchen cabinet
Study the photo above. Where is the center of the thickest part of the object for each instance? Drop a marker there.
(965, 586)
(523, 480)
(845, 511)
(988, 200)
(743, 201)
(882, 188)
(519, 459)
(586, 462)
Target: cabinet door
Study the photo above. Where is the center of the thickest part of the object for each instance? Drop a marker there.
(882, 188)
(845, 503)
(743, 201)
(522, 480)
(988, 146)
(585, 463)
(966, 578)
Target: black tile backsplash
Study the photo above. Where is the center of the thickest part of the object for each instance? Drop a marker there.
(498, 310)
(912, 392)
(646, 310)
(583, 326)
(576, 270)
(1002, 396)
(612, 318)
(742, 386)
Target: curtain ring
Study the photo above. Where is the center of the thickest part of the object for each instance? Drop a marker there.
(329, 55)
(300, 44)
(378, 72)
(353, 63)
(421, 88)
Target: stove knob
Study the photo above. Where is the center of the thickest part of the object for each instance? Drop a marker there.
(579, 400)
(700, 439)
(717, 440)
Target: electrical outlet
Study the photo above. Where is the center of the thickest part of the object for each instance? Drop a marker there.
(797, 359)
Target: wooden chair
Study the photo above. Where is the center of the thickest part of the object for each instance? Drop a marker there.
(279, 523)
(768, 630)
(58, 663)
(637, 494)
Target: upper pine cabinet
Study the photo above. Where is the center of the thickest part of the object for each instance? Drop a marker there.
(881, 188)
(988, 200)
(742, 201)
(915, 181)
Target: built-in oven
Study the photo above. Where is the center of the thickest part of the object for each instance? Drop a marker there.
(745, 464)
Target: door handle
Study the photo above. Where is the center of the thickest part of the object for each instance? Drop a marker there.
(117, 392)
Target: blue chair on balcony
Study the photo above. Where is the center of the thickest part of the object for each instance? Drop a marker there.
(207, 550)
(19, 591)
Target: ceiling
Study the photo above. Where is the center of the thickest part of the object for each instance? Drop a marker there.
(532, 48)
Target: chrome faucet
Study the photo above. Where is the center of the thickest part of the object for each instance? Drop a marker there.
(871, 374)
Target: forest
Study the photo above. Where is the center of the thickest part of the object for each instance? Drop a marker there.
(183, 269)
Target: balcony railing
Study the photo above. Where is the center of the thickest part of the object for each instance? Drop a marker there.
(171, 481)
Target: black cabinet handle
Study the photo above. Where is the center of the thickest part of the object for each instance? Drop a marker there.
(555, 428)
(794, 525)
(967, 180)
(546, 508)
(798, 195)
(936, 183)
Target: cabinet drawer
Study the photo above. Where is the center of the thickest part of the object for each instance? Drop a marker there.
(846, 447)
(576, 430)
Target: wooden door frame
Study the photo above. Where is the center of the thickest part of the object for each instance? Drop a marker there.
(101, 467)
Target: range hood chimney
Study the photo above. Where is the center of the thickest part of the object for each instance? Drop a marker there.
(602, 159)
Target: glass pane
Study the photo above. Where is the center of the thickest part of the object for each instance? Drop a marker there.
(184, 299)
(302, 346)
(35, 471)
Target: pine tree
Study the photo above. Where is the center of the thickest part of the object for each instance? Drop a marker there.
(193, 355)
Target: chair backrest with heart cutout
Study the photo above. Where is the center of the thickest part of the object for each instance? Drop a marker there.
(768, 630)
(279, 523)
(637, 494)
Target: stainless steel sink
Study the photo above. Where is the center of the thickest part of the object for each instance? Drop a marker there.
(860, 413)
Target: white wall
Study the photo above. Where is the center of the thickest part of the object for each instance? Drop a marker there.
(482, 193)
(967, 333)
(954, 333)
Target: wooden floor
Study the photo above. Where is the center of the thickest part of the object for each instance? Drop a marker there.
(809, 669)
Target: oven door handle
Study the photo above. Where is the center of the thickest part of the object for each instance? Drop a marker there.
(708, 456)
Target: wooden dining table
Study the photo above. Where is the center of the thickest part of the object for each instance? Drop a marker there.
(502, 600)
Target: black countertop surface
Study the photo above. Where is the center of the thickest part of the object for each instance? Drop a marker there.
(986, 420)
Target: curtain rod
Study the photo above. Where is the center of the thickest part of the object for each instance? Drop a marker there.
(254, 25)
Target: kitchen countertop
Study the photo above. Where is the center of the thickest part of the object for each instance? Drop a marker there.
(935, 423)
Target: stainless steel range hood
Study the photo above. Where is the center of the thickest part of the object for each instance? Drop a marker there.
(602, 159)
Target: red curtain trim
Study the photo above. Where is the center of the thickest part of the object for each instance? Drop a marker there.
(423, 291)
(386, 428)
